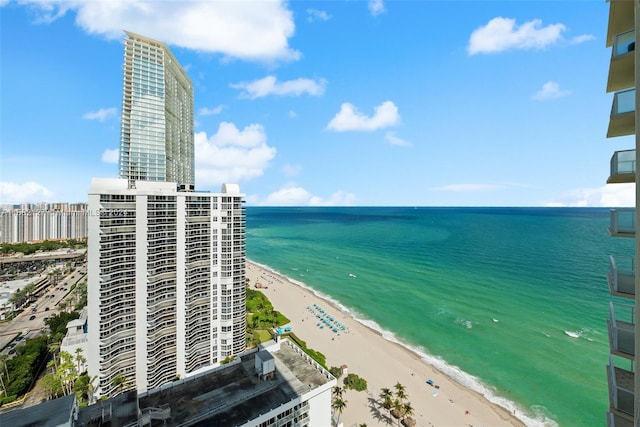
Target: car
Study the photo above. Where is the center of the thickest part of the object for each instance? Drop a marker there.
(32, 318)
(46, 309)
(12, 351)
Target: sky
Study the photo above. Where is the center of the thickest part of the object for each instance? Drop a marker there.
(325, 103)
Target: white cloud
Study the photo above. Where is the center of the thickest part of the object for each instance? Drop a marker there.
(292, 195)
(349, 118)
(581, 39)
(502, 34)
(392, 139)
(110, 156)
(256, 31)
(317, 15)
(376, 7)
(231, 155)
(292, 114)
(28, 192)
(270, 86)
(550, 90)
(204, 111)
(469, 188)
(612, 195)
(101, 115)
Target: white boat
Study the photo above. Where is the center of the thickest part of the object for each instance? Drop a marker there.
(572, 334)
(352, 275)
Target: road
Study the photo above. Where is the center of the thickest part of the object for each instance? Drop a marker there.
(30, 323)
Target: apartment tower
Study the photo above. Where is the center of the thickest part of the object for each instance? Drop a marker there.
(166, 264)
(156, 138)
(624, 334)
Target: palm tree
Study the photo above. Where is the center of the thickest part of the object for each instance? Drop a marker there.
(387, 397)
(79, 358)
(408, 411)
(400, 391)
(337, 392)
(338, 405)
(118, 383)
(3, 360)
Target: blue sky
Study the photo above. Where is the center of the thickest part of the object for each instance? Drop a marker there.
(425, 103)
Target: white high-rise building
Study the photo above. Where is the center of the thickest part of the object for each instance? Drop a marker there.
(166, 292)
(166, 278)
(156, 138)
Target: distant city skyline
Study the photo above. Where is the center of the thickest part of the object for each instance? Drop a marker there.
(325, 103)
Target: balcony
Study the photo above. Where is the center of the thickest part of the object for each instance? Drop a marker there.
(620, 389)
(623, 223)
(621, 19)
(623, 119)
(621, 67)
(623, 167)
(621, 334)
(618, 420)
(622, 276)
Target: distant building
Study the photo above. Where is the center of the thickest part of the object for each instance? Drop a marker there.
(166, 282)
(60, 221)
(157, 137)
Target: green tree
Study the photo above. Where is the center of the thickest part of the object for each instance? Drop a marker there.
(354, 382)
(407, 411)
(339, 405)
(387, 397)
(118, 382)
(337, 392)
(79, 358)
(52, 385)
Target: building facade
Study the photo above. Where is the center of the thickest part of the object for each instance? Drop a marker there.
(624, 334)
(156, 137)
(166, 289)
(30, 224)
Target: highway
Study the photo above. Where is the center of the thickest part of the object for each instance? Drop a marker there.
(30, 323)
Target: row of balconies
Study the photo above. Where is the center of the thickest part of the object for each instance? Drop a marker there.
(621, 275)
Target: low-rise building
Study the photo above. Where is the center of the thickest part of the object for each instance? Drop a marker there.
(274, 386)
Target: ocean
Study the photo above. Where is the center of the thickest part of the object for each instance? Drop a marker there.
(512, 302)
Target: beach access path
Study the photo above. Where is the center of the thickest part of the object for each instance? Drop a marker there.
(380, 362)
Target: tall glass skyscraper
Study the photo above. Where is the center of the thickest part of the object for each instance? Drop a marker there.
(156, 141)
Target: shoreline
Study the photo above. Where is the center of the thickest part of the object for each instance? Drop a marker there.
(382, 359)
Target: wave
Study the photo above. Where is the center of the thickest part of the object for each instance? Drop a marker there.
(539, 419)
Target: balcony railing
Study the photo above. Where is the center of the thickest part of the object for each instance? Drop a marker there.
(623, 222)
(622, 120)
(622, 276)
(621, 330)
(623, 167)
(621, 394)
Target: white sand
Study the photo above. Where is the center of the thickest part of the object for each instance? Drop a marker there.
(379, 361)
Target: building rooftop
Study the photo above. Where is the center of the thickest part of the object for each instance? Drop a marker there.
(232, 394)
(49, 413)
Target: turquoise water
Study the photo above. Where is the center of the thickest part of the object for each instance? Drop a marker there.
(486, 294)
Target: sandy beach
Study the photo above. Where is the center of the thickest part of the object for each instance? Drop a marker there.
(381, 362)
